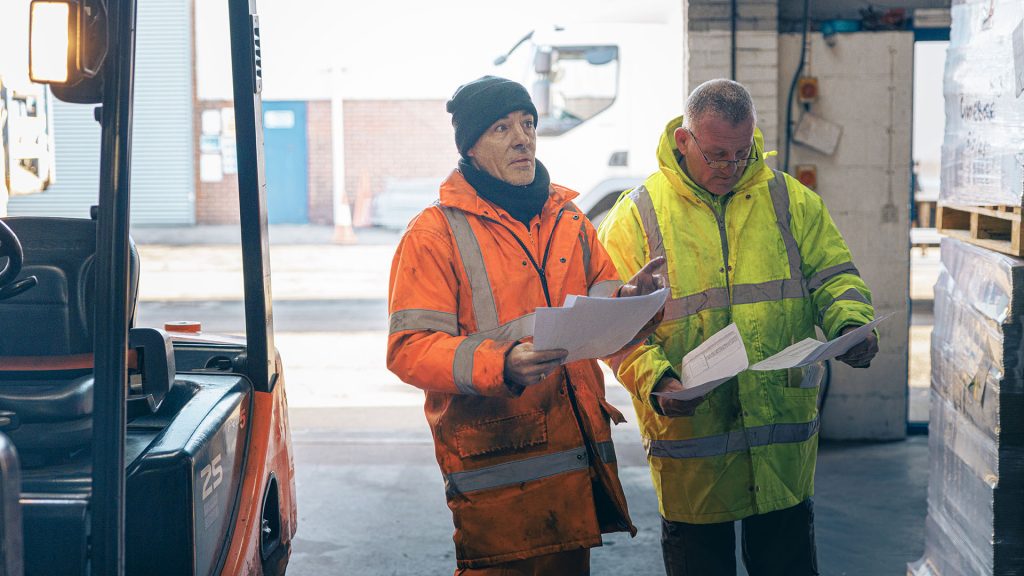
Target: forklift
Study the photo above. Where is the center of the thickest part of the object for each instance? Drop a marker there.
(126, 449)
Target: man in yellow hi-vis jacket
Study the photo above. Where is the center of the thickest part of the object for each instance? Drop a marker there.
(749, 245)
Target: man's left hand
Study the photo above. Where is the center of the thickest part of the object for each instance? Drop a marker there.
(860, 355)
(645, 281)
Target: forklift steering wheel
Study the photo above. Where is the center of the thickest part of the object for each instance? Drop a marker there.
(10, 248)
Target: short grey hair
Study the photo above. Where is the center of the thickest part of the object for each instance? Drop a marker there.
(721, 97)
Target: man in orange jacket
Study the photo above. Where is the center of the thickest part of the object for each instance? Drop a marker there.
(523, 441)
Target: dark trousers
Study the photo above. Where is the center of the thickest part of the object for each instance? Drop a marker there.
(570, 563)
(779, 543)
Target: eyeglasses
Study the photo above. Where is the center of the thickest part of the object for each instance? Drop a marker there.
(723, 164)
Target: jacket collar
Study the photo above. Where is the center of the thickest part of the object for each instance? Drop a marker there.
(754, 174)
(457, 193)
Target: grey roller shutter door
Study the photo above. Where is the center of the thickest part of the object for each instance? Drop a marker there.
(163, 177)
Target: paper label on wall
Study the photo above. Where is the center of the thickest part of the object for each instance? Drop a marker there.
(210, 168)
(817, 133)
(211, 122)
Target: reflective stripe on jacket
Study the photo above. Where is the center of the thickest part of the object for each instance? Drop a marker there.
(769, 258)
(519, 466)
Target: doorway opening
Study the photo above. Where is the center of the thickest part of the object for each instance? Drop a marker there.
(926, 159)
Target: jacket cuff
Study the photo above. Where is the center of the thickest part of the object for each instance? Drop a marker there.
(651, 398)
(489, 370)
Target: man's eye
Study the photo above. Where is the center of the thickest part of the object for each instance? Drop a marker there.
(528, 124)
(500, 128)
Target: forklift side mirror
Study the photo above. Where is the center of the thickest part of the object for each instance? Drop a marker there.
(67, 47)
(156, 359)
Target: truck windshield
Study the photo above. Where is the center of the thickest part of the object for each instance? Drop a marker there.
(574, 84)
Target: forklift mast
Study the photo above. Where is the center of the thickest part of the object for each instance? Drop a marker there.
(111, 335)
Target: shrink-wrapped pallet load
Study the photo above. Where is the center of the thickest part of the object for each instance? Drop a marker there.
(975, 522)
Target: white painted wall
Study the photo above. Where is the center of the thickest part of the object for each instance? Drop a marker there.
(866, 86)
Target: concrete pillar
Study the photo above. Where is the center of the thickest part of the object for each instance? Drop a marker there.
(865, 82)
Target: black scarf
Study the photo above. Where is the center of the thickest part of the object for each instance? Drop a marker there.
(521, 202)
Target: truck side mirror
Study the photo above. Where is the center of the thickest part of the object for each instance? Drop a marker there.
(156, 360)
(542, 61)
(541, 96)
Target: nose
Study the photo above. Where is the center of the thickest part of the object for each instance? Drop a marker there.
(730, 169)
(520, 136)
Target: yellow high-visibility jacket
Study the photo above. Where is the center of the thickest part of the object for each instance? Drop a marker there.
(768, 257)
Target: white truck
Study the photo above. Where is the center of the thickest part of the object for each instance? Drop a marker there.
(604, 92)
(26, 119)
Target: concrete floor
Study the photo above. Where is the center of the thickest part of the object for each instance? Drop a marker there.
(371, 501)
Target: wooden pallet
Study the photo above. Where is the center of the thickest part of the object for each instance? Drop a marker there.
(994, 227)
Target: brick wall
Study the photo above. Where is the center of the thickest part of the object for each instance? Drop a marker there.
(216, 202)
(383, 139)
(320, 162)
(394, 139)
(708, 54)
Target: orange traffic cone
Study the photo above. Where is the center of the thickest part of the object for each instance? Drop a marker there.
(364, 201)
(343, 232)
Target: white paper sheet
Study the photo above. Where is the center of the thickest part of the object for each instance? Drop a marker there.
(707, 366)
(724, 355)
(809, 350)
(594, 327)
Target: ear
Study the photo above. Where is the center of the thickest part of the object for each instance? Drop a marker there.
(681, 137)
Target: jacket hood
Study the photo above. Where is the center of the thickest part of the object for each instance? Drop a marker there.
(754, 174)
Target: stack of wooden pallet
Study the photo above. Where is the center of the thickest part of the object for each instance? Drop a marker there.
(993, 227)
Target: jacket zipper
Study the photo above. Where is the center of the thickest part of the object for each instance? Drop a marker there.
(542, 269)
(588, 443)
(725, 242)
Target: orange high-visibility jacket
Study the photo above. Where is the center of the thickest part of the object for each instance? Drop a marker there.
(527, 472)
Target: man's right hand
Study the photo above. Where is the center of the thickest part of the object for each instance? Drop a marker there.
(525, 366)
(674, 408)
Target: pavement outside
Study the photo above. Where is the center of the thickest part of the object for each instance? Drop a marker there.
(370, 497)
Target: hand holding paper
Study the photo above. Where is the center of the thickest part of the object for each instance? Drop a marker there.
(809, 350)
(724, 355)
(707, 366)
(594, 327)
(673, 407)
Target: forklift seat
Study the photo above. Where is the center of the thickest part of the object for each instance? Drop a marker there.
(53, 323)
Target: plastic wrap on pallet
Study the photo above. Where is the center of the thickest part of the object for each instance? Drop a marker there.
(975, 499)
(976, 346)
(975, 521)
(962, 477)
(983, 147)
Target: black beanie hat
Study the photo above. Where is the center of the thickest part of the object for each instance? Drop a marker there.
(478, 104)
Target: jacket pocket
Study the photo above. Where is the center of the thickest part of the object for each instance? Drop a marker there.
(507, 434)
(611, 411)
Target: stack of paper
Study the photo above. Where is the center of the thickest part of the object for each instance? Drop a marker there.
(589, 327)
(724, 355)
